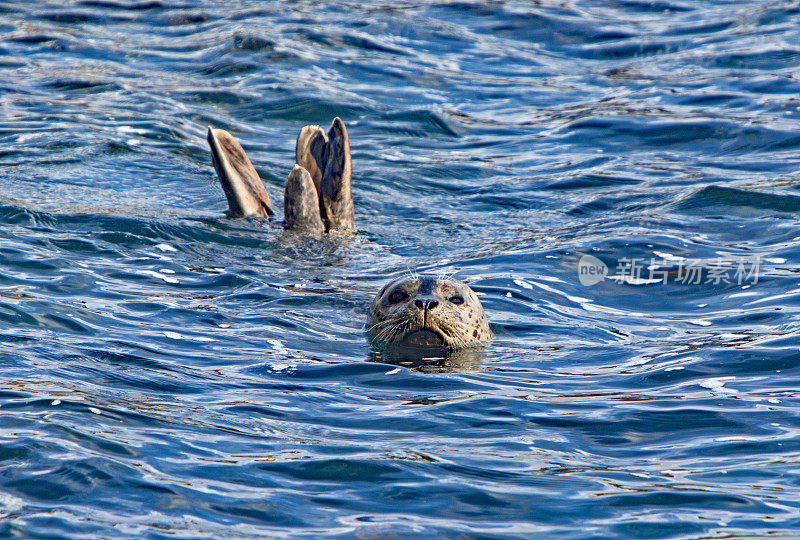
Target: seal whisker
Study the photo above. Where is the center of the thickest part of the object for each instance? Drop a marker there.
(444, 276)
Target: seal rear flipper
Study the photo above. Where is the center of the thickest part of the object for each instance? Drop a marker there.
(327, 159)
(243, 188)
(336, 193)
(301, 202)
(311, 152)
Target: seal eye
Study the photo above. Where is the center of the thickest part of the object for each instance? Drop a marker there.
(457, 300)
(397, 296)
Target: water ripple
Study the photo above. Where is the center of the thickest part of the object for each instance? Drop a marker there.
(167, 370)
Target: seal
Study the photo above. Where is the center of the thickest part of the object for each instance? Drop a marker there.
(318, 196)
(428, 311)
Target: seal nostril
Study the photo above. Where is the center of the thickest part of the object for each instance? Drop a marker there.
(432, 304)
(419, 304)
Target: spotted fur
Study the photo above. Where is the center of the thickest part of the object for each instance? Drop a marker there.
(428, 311)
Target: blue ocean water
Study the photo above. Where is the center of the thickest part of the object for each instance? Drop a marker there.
(166, 372)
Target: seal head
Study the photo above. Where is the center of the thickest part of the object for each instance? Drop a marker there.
(429, 312)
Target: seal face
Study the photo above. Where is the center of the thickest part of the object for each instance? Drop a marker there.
(428, 311)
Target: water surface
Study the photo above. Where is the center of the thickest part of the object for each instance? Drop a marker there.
(168, 372)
